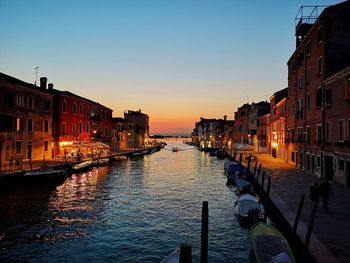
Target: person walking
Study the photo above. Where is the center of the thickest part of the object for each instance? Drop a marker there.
(314, 192)
(325, 191)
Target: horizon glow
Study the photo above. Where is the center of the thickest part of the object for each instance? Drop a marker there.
(177, 61)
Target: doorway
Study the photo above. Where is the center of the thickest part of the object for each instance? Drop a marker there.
(347, 173)
(328, 167)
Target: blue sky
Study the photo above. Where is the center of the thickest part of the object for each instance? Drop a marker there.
(176, 60)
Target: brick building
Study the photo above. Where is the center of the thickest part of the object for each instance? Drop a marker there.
(26, 121)
(78, 120)
(322, 49)
(141, 122)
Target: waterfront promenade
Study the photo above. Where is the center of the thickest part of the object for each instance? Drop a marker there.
(330, 241)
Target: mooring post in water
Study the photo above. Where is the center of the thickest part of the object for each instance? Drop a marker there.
(257, 178)
(267, 195)
(248, 164)
(309, 229)
(185, 253)
(240, 158)
(297, 217)
(261, 192)
(256, 164)
(234, 155)
(204, 236)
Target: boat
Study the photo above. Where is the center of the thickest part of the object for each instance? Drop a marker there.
(221, 154)
(175, 149)
(249, 208)
(82, 167)
(173, 257)
(120, 157)
(234, 172)
(228, 163)
(242, 185)
(270, 245)
(101, 162)
(45, 176)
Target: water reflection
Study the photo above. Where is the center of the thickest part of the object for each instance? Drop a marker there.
(137, 210)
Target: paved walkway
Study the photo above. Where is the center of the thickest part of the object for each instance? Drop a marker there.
(330, 241)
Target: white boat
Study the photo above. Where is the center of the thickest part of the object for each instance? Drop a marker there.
(250, 208)
(174, 257)
(243, 147)
(82, 167)
(45, 176)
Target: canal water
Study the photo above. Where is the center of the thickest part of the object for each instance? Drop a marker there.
(136, 210)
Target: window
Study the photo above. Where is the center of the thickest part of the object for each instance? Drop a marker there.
(81, 109)
(300, 134)
(328, 96)
(8, 100)
(341, 130)
(308, 75)
(46, 125)
(308, 99)
(341, 164)
(19, 124)
(293, 136)
(319, 97)
(74, 107)
(328, 131)
(318, 134)
(318, 161)
(20, 101)
(30, 125)
(46, 146)
(18, 147)
(64, 105)
(87, 128)
(308, 49)
(307, 134)
(300, 108)
(30, 102)
(319, 66)
(47, 106)
(64, 128)
(301, 82)
(80, 128)
(293, 157)
(74, 128)
(319, 35)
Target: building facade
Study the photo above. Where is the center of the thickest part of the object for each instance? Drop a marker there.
(26, 121)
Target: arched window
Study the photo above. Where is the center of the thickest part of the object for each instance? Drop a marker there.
(81, 109)
(74, 107)
(64, 105)
(80, 127)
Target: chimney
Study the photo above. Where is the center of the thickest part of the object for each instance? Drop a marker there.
(139, 110)
(50, 86)
(225, 117)
(43, 82)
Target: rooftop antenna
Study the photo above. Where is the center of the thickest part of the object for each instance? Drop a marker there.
(36, 74)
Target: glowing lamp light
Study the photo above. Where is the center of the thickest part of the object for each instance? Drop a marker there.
(274, 145)
(65, 143)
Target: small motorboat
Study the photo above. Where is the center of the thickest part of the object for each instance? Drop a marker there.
(249, 208)
(173, 257)
(45, 176)
(270, 245)
(234, 172)
(175, 149)
(82, 167)
(242, 185)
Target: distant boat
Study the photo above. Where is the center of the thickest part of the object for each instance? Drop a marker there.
(82, 167)
(175, 149)
(270, 245)
(120, 157)
(249, 208)
(173, 257)
(101, 162)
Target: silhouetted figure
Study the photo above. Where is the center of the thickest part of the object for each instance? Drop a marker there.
(314, 193)
(325, 191)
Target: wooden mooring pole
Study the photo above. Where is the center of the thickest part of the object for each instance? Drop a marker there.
(267, 195)
(248, 165)
(240, 158)
(185, 253)
(204, 236)
(297, 217)
(261, 190)
(309, 229)
(234, 155)
(257, 178)
(256, 164)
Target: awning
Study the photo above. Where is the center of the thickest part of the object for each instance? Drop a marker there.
(87, 145)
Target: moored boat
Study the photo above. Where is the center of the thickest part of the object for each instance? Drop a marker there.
(173, 257)
(101, 162)
(270, 245)
(249, 208)
(242, 185)
(82, 167)
(45, 176)
(120, 157)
